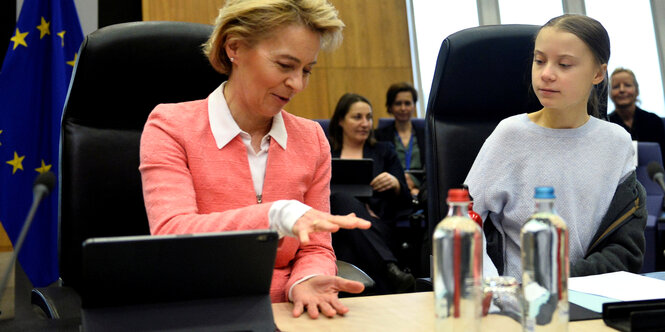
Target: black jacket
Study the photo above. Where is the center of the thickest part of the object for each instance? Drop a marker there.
(647, 127)
(387, 134)
(618, 244)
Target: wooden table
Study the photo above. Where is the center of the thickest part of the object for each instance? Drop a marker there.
(403, 312)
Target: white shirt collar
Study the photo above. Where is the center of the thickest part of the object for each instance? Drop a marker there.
(224, 128)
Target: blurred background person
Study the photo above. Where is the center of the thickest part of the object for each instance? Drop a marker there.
(371, 249)
(642, 125)
(409, 141)
(205, 166)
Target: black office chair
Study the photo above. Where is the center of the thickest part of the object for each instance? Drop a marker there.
(123, 72)
(482, 75)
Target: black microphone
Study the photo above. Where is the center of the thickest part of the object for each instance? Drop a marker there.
(657, 174)
(42, 187)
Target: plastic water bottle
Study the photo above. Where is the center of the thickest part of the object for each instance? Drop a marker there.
(458, 245)
(545, 267)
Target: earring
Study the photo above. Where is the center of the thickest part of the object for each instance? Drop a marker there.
(231, 59)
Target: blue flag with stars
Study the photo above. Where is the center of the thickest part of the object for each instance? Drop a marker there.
(33, 85)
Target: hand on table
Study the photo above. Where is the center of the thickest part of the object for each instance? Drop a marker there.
(319, 294)
(318, 221)
(385, 181)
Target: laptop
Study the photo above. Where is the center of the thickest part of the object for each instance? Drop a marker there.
(352, 176)
(194, 282)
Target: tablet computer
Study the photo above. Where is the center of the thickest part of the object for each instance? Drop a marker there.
(212, 280)
(352, 176)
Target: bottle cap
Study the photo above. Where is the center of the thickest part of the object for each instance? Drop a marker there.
(544, 193)
(458, 195)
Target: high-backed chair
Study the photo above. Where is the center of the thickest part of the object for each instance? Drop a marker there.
(648, 152)
(123, 72)
(482, 76)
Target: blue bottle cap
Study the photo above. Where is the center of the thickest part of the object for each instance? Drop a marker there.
(544, 193)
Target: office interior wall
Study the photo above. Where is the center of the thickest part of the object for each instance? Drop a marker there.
(374, 54)
(118, 11)
(658, 12)
(197, 11)
(488, 10)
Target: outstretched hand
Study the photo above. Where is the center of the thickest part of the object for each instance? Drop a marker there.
(319, 294)
(318, 221)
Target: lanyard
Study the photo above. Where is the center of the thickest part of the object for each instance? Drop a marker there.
(408, 151)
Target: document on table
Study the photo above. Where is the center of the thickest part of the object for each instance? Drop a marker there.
(623, 286)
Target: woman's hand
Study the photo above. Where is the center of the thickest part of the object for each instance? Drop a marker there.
(412, 185)
(385, 181)
(319, 293)
(317, 221)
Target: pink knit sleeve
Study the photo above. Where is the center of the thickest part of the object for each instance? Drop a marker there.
(318, 256)
(168, 188)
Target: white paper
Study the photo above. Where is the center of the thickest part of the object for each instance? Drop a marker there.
(623, 286)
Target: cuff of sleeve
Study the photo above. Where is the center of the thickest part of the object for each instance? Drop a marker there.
(283, 215)
(297, 282)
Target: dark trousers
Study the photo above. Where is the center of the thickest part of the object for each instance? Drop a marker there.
(368, 249)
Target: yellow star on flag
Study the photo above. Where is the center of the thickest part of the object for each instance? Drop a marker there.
(0, 133)
(17, 162)
(19, 39)
(44, 28)
(61, 34)
(73, 62)
(45, 168)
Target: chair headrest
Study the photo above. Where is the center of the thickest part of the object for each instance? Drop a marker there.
(124, 70)
(484, 73)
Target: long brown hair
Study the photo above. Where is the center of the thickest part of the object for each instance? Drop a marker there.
(342, 108)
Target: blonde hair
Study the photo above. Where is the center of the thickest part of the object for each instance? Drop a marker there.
(254, 20)
(630, 72)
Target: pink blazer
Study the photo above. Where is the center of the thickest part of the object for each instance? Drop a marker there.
(191, 186)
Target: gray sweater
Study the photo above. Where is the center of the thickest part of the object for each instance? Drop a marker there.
(585, 166)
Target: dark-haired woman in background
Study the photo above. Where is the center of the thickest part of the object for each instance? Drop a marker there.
(351, 138)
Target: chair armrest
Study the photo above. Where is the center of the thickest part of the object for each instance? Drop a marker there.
(352, 272)
(424, 285)
(57, 302)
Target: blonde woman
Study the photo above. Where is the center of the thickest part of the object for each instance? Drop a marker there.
(236, 160)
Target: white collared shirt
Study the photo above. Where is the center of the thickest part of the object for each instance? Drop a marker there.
(283, 213)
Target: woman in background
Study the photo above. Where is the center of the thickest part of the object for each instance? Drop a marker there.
(642, 125)
(237, 161)
(351, 138)
(408, 139)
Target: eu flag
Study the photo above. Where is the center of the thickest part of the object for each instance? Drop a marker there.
(33, 86)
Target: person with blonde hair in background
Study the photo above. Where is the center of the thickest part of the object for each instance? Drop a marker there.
(237, 161)
(642, 125)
